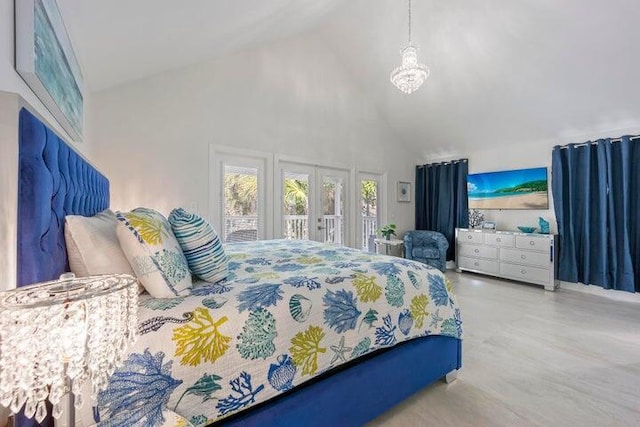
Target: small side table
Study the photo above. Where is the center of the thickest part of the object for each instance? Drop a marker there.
(388, 243)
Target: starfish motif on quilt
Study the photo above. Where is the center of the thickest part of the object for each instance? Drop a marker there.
(339, 351)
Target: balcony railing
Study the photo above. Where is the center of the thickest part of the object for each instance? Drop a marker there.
(369, 226)
(297, 227)
(234, 225)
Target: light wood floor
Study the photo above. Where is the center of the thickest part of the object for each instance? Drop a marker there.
(535, 358)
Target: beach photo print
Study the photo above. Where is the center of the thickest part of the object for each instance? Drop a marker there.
(514, 189)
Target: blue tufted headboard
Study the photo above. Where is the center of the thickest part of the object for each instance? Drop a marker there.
(54, 181)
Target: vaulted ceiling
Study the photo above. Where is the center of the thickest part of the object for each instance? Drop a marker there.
(502, 71)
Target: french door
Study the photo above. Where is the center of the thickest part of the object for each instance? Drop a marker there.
(369, 187)
(313, 203)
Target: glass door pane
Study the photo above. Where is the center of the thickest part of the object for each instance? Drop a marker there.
(369, 212)
(314, 203)
(331, 224)
(296, 205)
(240, 201)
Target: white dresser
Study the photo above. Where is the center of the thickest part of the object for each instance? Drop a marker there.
(519, 256)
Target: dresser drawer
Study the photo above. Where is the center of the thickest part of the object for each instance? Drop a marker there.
(470, 237)
(478, 251)
(525, 273)
(540, 259)
(484, 265)
(499, 239)
(532, 243)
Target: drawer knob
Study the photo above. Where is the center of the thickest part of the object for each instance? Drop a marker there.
(531, 242)
(469, 237)
(498, 240)
(523, 271)
(477, 251)
(476, 263)
(523, 256)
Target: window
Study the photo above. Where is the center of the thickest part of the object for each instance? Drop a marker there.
(241, 203)
(238, 205)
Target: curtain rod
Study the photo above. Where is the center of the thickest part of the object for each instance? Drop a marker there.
(448, 162)
(584, 144)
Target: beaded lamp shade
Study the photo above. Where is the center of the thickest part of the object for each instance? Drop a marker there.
(58, 335)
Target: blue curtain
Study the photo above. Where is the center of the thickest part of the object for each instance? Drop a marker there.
(441, 199)
(596, 194)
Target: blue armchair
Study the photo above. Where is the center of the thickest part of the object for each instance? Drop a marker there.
(428, 247)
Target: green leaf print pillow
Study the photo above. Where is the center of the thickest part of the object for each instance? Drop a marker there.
(154, 253)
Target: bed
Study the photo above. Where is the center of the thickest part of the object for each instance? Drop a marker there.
(342, 363)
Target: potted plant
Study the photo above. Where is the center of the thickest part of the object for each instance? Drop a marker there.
(387, 231)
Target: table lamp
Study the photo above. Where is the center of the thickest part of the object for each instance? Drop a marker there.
(57, 336)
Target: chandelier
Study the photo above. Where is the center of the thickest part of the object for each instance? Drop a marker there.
(410, 75)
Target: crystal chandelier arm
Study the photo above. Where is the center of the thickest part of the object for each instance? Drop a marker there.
(409, 22)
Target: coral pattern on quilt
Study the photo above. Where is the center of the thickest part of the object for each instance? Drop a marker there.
(289, 311)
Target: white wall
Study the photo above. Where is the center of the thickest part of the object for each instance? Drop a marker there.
(520, 156)
(293, 98)
(9, 104)
(10, 82)
(516, 157)
(8, 199)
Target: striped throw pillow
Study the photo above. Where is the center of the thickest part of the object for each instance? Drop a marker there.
(200, 245)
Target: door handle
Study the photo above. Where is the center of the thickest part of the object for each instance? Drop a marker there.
(321, 227)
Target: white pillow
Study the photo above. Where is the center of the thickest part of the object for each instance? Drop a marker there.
(92, 245)
(154, 253)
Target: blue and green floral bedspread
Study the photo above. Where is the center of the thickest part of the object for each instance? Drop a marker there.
(289, 311)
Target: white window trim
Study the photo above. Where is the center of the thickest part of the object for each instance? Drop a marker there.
(350, 208)
(270, 197)
(381, 177)
(220, 155)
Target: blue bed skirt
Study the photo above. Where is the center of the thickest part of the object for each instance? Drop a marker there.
(382, 381)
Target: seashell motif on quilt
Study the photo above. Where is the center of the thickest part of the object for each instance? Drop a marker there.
(299, 307)
(281, 375)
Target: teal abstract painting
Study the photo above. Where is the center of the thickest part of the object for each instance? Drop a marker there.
(46, 61)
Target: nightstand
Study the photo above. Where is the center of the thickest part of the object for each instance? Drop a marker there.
(389, 243)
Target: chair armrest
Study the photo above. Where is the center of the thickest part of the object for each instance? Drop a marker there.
(408, 246)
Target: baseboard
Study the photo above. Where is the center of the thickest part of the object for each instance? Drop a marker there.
(597, 290)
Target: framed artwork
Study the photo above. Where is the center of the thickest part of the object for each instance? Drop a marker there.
(47, 63)
(512, 189)
(404, 191)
